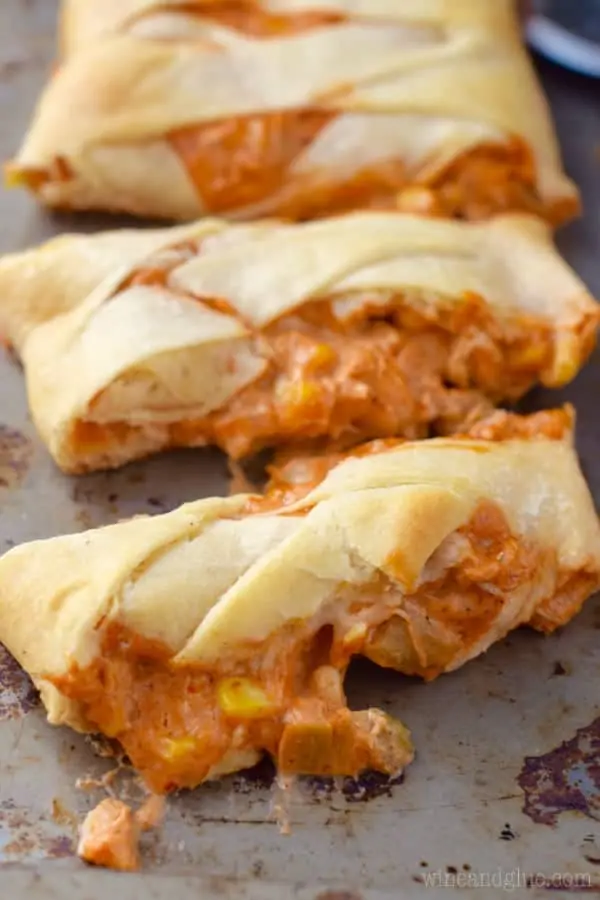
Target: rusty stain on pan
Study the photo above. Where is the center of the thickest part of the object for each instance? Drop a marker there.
(17, 693)
(565, 779)
(22, 835)
(15, 456)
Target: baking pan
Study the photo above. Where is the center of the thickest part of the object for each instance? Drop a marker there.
(505, 790)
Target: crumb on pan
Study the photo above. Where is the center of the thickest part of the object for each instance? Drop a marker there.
(109, 837)
(110, 832)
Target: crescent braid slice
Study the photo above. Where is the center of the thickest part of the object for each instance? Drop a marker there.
(201, 638)
(430, 107)
(249, 336)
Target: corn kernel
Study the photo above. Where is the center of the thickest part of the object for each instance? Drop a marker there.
(322, 355)
(242, 698)
(299, 393)
(566, 361)
(178, 748)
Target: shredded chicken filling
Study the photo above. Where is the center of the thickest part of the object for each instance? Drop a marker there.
(388, 369)
(284, 695)
(246, 160)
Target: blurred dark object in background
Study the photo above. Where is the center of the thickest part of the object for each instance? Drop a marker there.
(567, 32)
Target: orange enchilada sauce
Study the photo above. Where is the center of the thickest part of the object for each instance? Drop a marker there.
(242, 160)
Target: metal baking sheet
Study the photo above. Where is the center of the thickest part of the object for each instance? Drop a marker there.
(505, 790)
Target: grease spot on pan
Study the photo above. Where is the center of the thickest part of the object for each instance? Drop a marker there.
(367, 786)
(565, 779)
(17, 693)
(15, 456)
(260, 778)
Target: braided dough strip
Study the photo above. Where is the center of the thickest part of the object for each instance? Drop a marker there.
(419, 556)
(151, 365)
(395, 98)
(83, 23)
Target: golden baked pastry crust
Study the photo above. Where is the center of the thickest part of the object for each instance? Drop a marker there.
(237, 615)
(439, 95)
(368, 325)
(83, 23)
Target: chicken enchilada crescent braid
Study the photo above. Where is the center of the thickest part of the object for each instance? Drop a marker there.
(204, 637)
(296, 109)
(252, 336)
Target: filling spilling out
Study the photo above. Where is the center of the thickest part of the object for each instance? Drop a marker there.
(283, 696)
(181, 723)
(342, 370)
